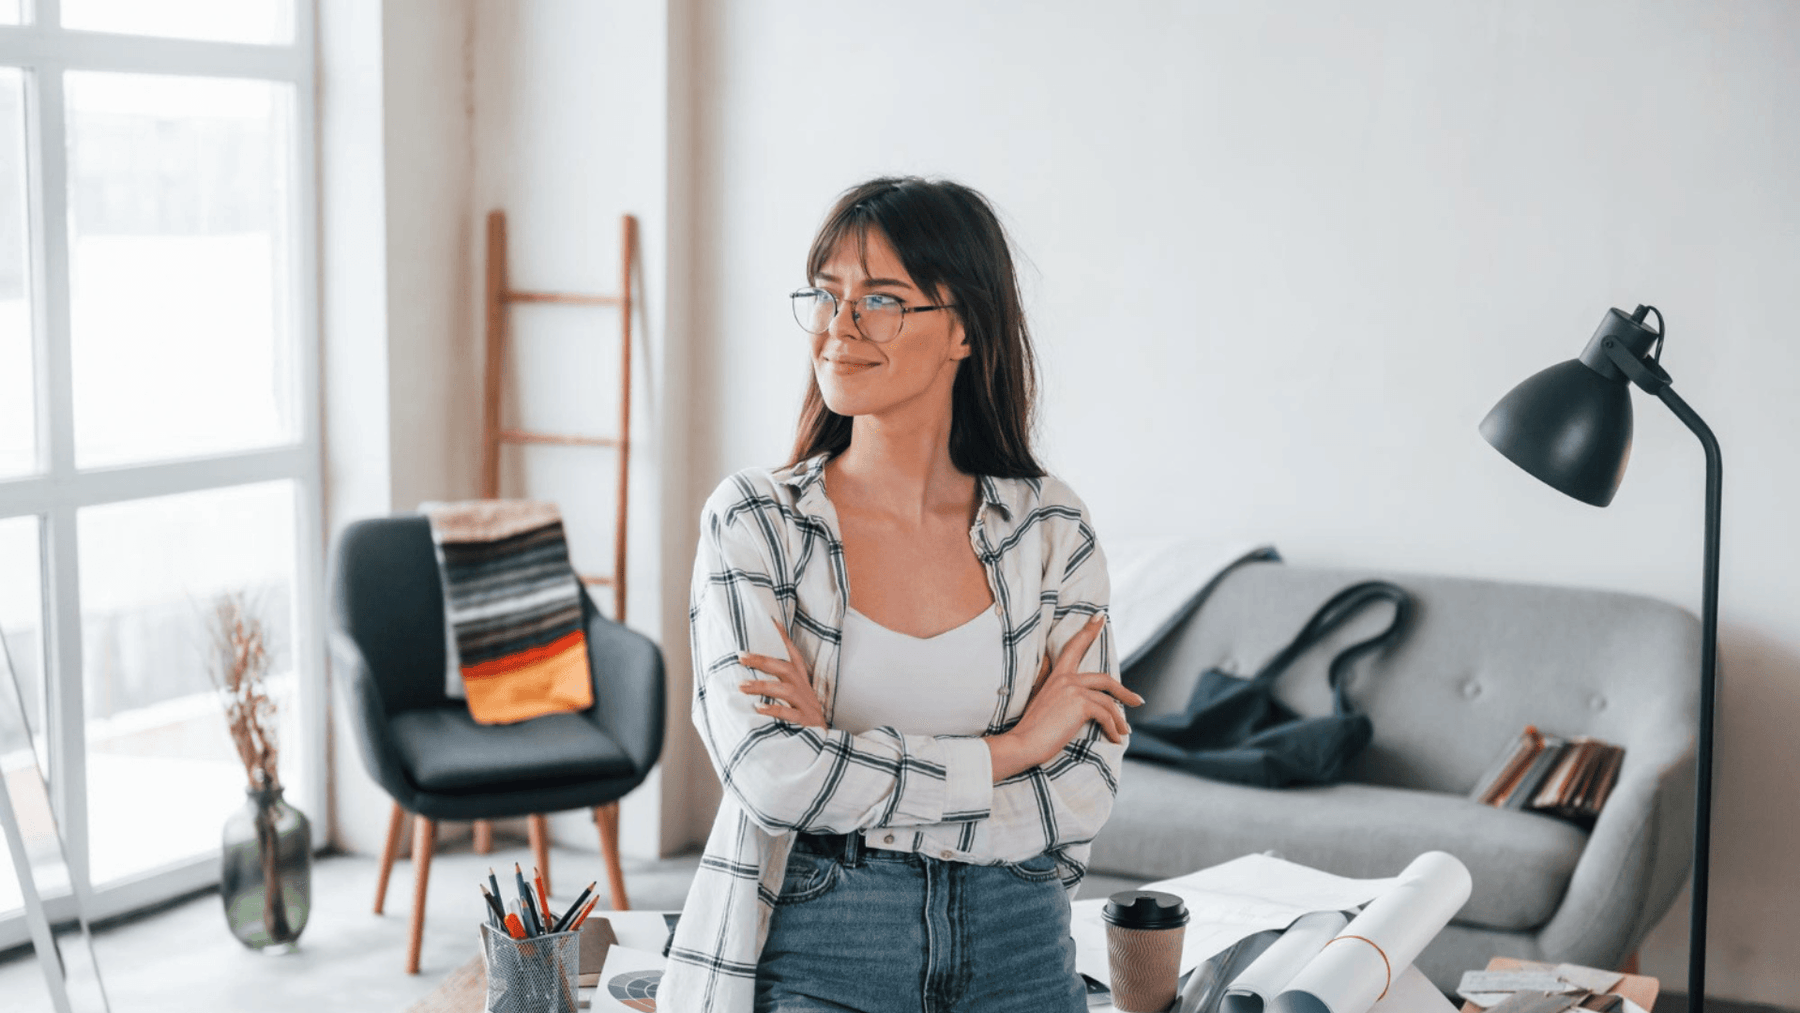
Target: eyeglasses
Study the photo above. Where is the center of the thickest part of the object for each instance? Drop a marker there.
(878, 316)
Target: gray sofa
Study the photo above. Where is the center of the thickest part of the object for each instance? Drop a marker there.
(1482, 659)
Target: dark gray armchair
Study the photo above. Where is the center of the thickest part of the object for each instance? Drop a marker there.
(423, 748)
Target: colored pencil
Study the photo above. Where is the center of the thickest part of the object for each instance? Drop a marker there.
(543, 897)
(584, 913)
(569, 915)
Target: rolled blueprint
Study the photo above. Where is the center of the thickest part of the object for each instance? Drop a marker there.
(1359, 964)
(1264, 979)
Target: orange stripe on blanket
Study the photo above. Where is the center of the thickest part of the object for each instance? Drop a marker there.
(523, 659)
(555, 683)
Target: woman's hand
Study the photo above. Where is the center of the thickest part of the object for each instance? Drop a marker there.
(792, 685)
(1061, 703)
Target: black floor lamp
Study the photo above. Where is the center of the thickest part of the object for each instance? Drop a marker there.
(1570, 426)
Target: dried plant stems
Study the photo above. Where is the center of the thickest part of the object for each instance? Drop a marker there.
(239, 667)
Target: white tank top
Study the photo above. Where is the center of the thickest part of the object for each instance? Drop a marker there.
(949, 684)
(944, 685)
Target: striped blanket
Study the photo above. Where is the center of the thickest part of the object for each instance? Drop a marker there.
(513, 608)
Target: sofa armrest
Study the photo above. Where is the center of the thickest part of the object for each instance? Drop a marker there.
(1635, 862)
(368, 716)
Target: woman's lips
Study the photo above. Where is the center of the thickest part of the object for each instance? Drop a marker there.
(842, 366)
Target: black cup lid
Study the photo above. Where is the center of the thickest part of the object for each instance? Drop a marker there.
(1145, 909)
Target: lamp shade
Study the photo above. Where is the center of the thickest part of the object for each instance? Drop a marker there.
(1568, 426)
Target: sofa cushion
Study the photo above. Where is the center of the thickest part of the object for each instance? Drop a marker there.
(1167, 823)
(446, 751)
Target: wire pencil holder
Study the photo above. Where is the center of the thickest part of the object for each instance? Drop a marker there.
(533, 975)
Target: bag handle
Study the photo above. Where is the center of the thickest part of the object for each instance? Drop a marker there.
(1342, 607)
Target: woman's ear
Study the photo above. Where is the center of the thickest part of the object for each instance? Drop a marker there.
(959, 342)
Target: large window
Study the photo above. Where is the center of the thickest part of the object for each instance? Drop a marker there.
(158, 415)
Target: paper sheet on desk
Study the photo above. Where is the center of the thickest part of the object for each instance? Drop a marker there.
(1226, 903)
(628, 982)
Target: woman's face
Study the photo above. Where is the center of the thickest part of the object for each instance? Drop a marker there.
(861, 377)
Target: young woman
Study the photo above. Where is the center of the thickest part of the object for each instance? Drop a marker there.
(903, 672)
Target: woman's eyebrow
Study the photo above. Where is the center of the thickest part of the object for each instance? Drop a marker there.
(871, 283)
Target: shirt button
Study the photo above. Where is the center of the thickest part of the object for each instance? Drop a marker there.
(944, 854)
(889, 839)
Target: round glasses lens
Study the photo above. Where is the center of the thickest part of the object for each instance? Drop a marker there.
(879, 317)
(813, 309)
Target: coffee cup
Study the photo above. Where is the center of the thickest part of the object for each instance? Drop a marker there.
(1144, 929)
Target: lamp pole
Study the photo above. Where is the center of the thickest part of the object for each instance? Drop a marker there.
(1709, 657)
(1570, 426)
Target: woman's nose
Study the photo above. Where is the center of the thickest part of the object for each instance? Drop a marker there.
(843, 323)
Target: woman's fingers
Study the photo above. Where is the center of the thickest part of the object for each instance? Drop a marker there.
(1077, 647)
(768, 687)
(782, 712)
(1107, 684)
(1105, 712)
(793, 652)
(763, 663)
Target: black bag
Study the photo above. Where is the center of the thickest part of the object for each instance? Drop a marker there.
(1235, 730)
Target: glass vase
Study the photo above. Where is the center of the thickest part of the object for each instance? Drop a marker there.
(265, 871)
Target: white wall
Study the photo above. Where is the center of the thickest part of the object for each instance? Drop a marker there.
(1281, 258)
(395, 183)
(569, 133)
(434, 112)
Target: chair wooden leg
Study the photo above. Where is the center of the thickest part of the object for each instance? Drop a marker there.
(396, 820)
(538, 826)
(1630, 966)
(606, 817)
(424, 843)
(484, 837)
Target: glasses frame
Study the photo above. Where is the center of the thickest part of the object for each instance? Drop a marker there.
(837, 306)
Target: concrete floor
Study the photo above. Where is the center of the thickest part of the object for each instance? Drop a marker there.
(349, 960)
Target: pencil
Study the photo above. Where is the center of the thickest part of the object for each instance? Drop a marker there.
(514, 927)
(569, 915)
(528, 915)
(493, 904)
(584, 913)
(543, 897)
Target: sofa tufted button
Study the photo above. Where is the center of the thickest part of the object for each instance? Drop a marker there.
(889, 839)
(1597, 702)
(1471, 689)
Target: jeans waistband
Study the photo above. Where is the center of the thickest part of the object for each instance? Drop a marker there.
(846, 848)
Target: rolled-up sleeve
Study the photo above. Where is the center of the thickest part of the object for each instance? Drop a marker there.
(1062, 803)
(789, 777)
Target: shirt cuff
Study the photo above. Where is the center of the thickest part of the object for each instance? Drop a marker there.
(968, 777)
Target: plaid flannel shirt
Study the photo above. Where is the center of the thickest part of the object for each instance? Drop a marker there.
(770, 547)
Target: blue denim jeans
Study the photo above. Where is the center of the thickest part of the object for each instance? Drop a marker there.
(871, 931)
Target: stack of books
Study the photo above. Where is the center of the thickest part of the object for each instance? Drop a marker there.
(1564, 777)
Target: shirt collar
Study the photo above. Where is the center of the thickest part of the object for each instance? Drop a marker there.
(807, 479)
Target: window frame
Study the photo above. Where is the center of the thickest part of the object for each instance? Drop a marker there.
(43, 51)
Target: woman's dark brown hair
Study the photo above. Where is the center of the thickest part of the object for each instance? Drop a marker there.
(951, 243)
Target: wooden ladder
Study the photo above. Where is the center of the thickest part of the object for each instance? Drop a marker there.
(501, 296)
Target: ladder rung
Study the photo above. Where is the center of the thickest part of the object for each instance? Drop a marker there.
(593, 581)
(567, 298)
(521, 436)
